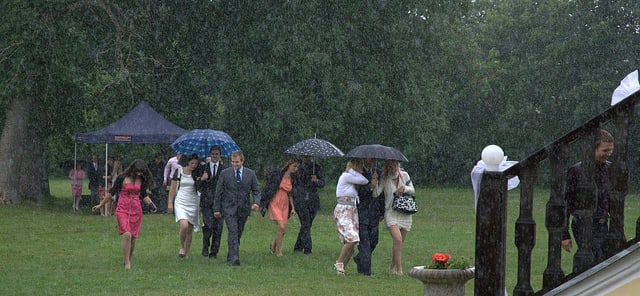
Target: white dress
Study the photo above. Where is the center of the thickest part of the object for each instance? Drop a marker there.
(391, 216)
(187, 201)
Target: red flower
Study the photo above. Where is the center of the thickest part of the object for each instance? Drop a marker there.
(441, 258)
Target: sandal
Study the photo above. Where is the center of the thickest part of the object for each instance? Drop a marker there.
(339, 268)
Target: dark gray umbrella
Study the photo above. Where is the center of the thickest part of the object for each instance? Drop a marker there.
(315, 147)
(376, 151)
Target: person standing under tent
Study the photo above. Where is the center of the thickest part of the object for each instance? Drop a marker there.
(94, 173)
(77, 175)
(159, 192)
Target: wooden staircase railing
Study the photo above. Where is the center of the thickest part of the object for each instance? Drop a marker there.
(490, 254)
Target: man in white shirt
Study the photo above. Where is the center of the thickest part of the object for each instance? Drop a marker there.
(172, 165)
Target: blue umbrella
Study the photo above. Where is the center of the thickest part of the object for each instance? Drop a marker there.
(199, 141)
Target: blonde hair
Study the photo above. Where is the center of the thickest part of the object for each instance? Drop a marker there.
(387, 164)
(354, 163)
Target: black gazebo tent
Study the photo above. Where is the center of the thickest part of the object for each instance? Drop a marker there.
(142, 125)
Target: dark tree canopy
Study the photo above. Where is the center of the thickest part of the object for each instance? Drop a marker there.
(438, 80)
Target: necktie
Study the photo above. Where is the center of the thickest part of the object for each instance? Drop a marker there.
(215, 168)
(238, 176)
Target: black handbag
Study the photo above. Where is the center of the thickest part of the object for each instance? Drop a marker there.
(405, 203)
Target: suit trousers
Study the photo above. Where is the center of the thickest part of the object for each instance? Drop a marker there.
(306, 211)
(211, 231)
(368, 242)
(235, 227)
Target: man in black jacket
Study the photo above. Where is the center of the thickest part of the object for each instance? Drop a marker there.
(212, 229)
(309, 179)
(600, 214)
(370, 212)
(94, 174)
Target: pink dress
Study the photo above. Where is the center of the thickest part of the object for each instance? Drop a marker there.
(129, 210)
(76, 177)
(279, 205)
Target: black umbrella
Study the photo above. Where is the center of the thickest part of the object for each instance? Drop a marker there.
(315, 147)
(376, 151)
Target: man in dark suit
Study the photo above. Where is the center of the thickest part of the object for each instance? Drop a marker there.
(370, 213)
(309, 178)
(233, 202)
(212, 229)
(94, 174)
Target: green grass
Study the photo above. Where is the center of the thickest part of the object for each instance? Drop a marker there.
(50, 250)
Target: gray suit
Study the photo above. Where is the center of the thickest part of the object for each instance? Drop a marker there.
(234, 202)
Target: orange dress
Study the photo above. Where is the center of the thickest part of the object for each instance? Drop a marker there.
(279, 205)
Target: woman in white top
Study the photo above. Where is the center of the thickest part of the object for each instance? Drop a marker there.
(187, 202)
(345, 214)
(395, 181)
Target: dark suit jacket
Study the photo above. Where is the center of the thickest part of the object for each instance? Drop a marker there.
(233, 199)
(95, 176)
(210, 185)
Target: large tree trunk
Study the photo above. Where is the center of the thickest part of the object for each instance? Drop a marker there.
(23, 156)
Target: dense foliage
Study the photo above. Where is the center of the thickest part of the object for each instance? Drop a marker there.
(437, 79)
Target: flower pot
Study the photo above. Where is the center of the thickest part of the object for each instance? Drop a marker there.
(442, 282)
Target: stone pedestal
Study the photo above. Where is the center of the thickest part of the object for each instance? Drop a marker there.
(442, 282)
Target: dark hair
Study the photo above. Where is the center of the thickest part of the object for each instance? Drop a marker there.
(215, 147)
(288, 163)
(139, 166)
(603, 137)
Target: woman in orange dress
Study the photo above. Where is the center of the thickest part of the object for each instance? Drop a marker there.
(278, 198)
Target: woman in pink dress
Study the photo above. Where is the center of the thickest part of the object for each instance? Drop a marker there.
(277, 197)
(131, 187)
(76, 177)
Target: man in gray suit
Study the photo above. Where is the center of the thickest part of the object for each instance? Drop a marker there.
(232, 201)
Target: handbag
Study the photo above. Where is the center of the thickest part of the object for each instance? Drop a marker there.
(405, 203)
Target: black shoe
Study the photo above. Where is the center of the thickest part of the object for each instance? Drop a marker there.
(212, 256)
(205, 252)
(233, 263)
(357, 261)
(307, 251)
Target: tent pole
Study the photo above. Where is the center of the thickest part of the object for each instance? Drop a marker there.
(106, 171)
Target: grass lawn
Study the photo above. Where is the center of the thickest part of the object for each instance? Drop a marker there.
(50, 250)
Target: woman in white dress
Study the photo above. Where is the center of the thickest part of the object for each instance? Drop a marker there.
(345, 214)
(187, 202)
(395, 181)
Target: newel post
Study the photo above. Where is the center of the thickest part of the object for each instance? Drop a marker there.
(491, 229)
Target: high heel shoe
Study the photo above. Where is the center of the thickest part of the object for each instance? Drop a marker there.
(339, 268)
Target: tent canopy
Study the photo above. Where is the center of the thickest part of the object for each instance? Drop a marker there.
(142, 125)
